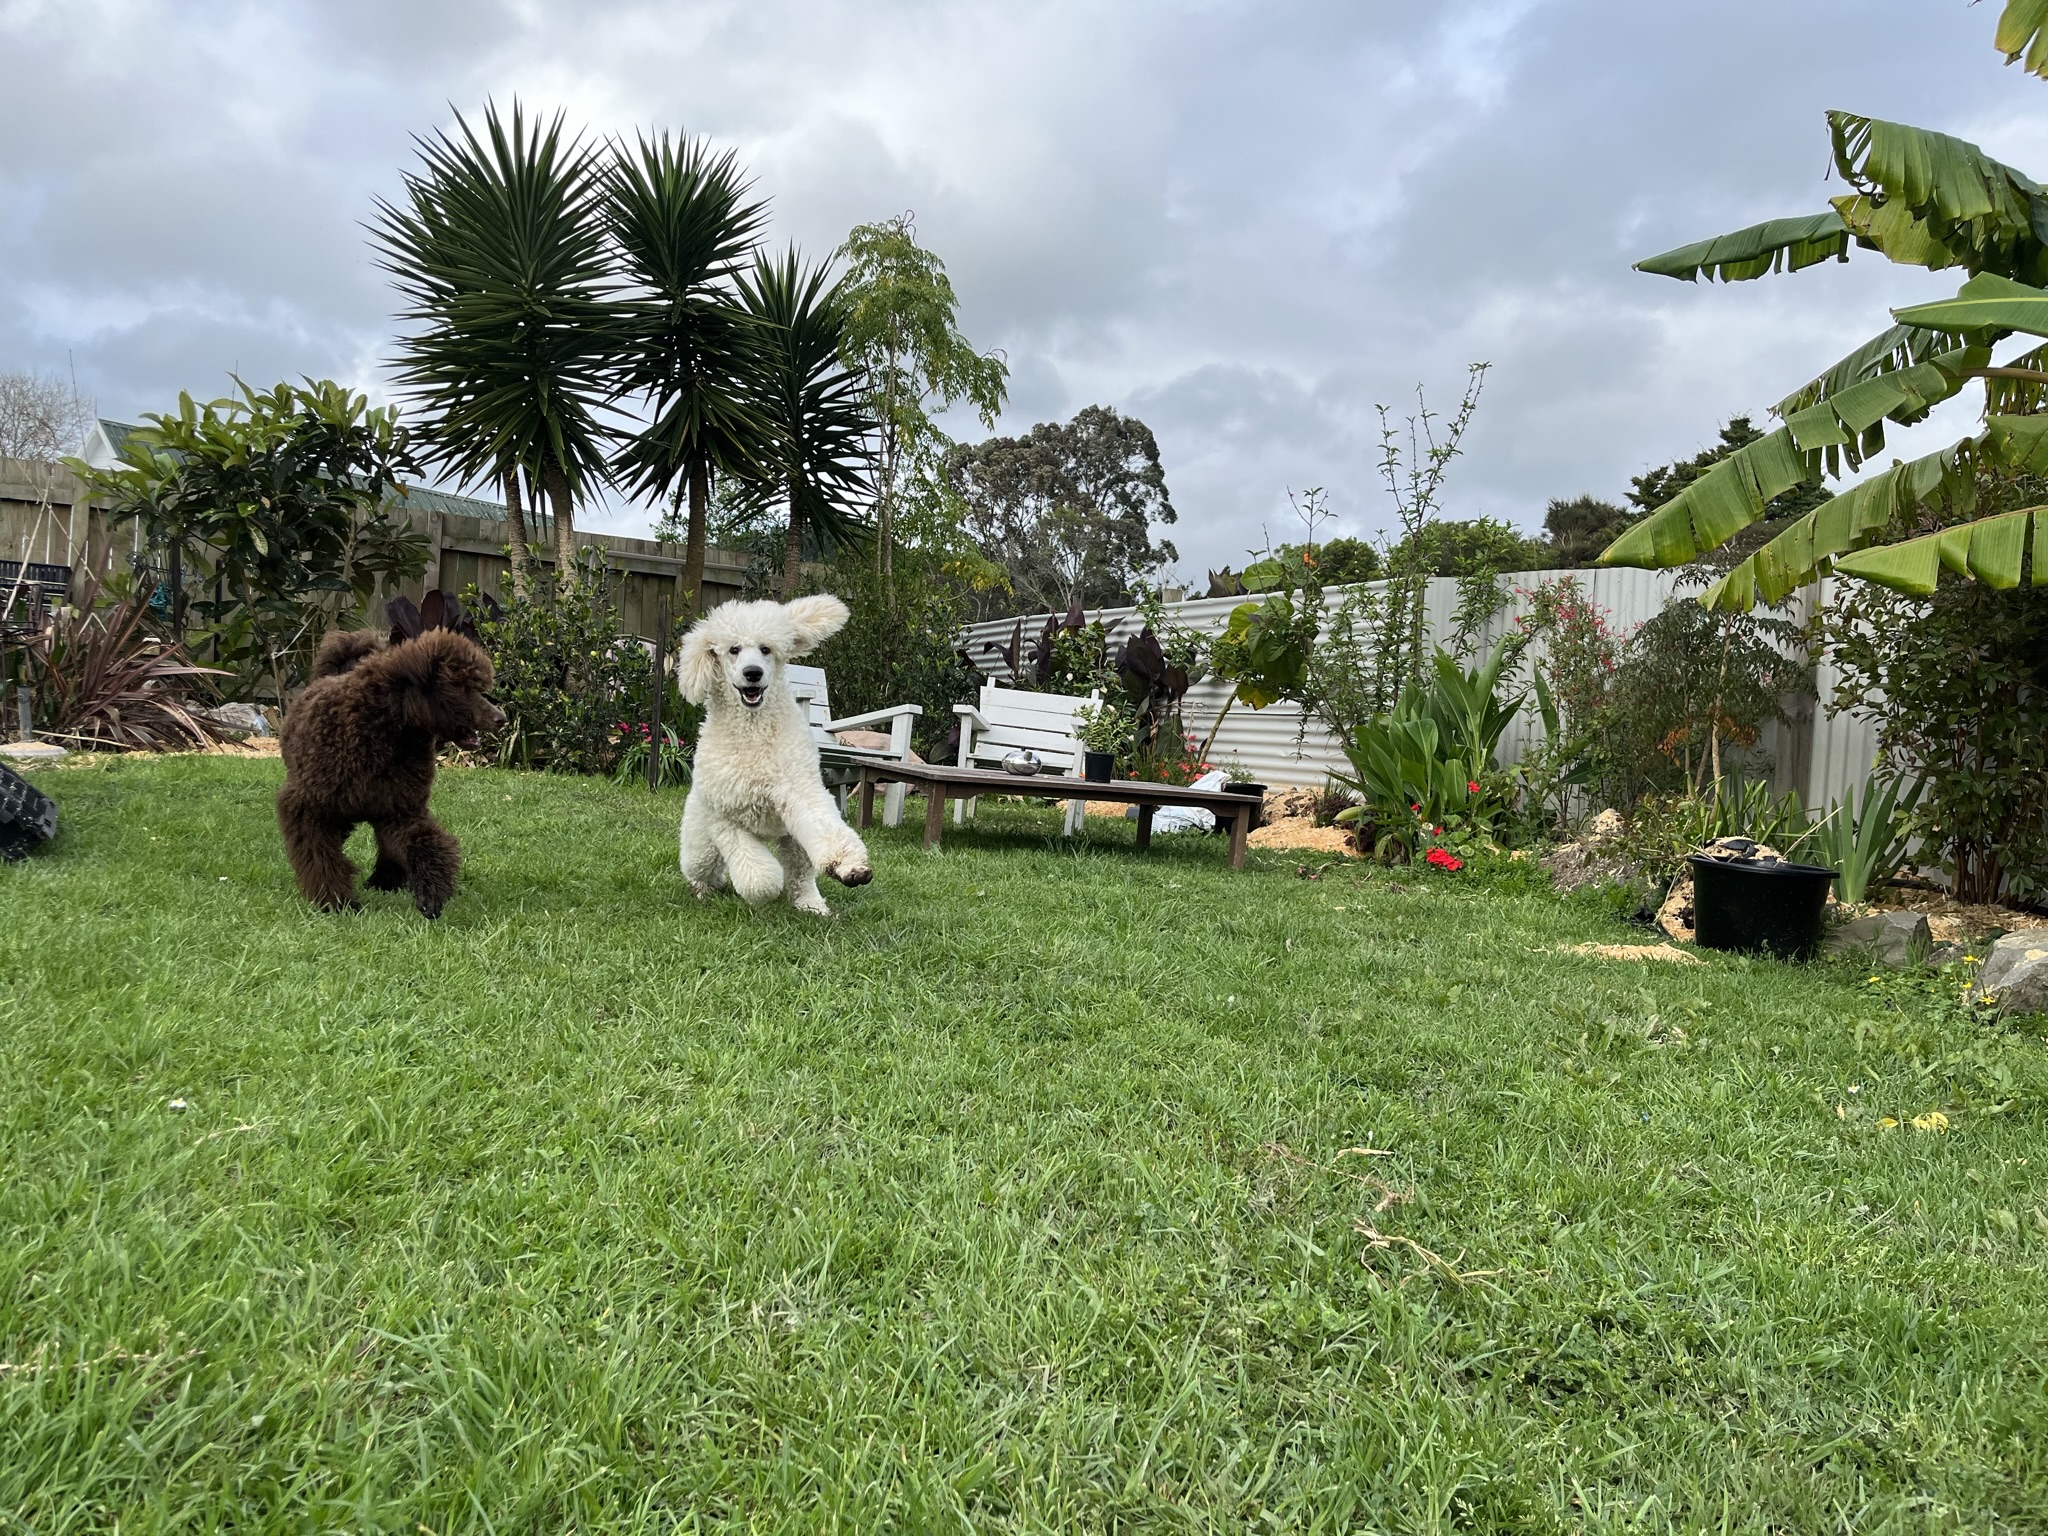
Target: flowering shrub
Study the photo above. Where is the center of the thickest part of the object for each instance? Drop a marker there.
(635, 741)
(1169, 763)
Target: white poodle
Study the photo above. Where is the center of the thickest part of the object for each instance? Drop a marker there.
(756, 787)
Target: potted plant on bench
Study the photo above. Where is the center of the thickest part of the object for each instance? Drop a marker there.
(1103, 729)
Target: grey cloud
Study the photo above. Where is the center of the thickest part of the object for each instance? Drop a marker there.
(1246, 222)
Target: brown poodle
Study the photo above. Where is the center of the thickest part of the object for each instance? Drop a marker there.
(359, 746)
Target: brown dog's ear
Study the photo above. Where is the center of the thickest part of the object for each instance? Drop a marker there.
(814, 620)
(406, 623)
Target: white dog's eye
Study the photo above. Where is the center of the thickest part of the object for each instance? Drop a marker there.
(732, 650)
(767, 650)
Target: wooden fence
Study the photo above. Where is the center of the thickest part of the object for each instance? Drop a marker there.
(47, 518)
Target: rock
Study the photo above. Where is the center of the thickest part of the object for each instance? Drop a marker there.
(32, 751)
(233, 719)
(1574, 866)
(1895, 939)
(869, 741)
(1291, 805)
(2015, 973)
(1607, 827)
(1674, 918)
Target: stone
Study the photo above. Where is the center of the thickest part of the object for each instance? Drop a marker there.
(32, 751)
(1674, 917)
(234, 719)
(1894, 939)
(2015, 973)
(1574, 866)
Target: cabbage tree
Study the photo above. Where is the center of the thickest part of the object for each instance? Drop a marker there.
(1922, 199)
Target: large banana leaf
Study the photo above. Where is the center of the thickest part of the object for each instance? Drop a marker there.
(1985, 300)
(1777, 245)
(1933, 200)
(2023, 31)
(1898, 347)
(1922, 198)
(1990, 550)
(1733, 494)
(1862, 515)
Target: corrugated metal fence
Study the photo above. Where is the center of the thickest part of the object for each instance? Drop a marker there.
(1820, 756)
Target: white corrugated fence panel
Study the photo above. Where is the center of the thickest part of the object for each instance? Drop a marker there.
(1821, 756)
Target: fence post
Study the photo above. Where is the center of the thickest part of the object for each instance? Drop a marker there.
(660, 687)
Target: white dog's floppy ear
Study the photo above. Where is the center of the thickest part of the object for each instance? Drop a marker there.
(697, 666)
(814, 620)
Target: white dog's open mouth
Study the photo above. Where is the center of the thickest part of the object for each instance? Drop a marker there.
(751, 694)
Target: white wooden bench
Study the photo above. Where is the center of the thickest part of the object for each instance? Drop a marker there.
(1007, 719)
(813, 695)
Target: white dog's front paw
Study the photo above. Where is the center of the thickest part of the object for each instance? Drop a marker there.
(851, 870)
(811, 902)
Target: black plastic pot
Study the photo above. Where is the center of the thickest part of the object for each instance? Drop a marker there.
(1098, 767)
(1257, 792)
(1759, 907)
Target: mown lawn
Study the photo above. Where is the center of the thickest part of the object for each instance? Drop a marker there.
(1019, 1197)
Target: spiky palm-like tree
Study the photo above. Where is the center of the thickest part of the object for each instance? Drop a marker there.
(1922, 199)
(683, 227)
(816, 453)
(500, 254)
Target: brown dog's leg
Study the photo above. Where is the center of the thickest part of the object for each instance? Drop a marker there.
(314, 846)
(432, 856)
(390, 871)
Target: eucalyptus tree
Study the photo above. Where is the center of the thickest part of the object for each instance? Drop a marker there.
(498, 249)
(1921, 199)
(815, 457)
(900, 334)
(683, 227)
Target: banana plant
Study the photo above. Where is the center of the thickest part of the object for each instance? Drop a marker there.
(1918, 198)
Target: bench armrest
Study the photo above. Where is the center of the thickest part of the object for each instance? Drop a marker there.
(875, 716)
(970, 712)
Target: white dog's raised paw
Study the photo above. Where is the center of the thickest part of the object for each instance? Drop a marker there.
(851, 872)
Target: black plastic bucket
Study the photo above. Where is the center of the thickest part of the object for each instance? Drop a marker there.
(1256, 792)
(1759, 906)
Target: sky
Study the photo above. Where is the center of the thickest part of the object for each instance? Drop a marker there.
(1247, 222)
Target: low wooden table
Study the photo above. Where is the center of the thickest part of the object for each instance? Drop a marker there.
(941, 783)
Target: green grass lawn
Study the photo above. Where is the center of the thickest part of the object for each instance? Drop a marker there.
(1020, 1196)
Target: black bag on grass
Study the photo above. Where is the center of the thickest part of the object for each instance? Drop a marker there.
(28, 817)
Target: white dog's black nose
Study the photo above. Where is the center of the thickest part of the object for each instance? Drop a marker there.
(751, 674)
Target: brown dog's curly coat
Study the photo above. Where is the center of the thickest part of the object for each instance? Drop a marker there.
(359, 746)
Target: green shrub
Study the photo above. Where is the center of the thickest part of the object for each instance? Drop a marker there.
(570, 680)
(902, 653)
(1958, 685)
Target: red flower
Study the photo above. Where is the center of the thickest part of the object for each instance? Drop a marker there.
(1472, 786)
(1443, 859)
